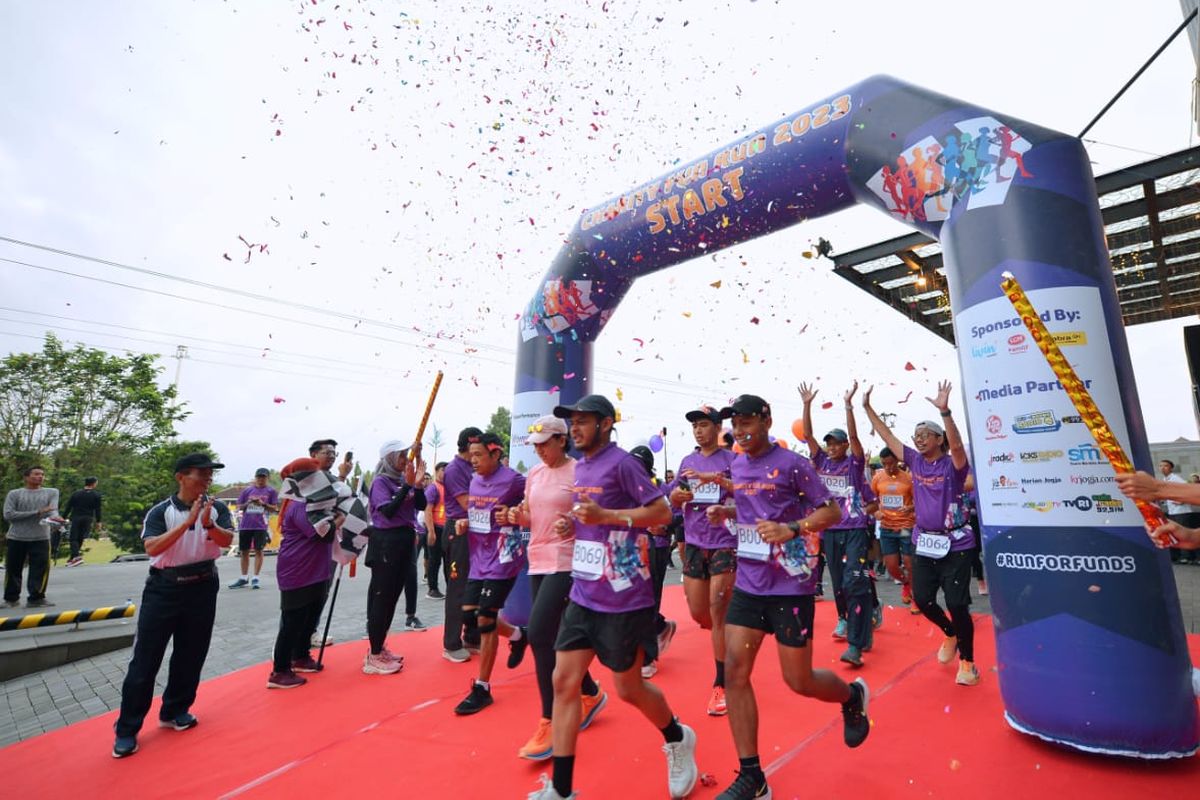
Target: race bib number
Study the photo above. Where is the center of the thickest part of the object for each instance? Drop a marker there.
(892, 501)
(587, 562)
(750, 544)
(933, 545)
(706, 493)
(479, 520)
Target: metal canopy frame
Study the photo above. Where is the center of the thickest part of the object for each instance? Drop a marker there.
(1151, 215)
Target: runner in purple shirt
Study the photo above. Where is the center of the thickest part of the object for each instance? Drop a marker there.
(942, 535)
(255, 502)
(497, 554)
(459, 634)
(842, 467)
(780, 508)
(302, 570)
(709, 551)
(611, 613)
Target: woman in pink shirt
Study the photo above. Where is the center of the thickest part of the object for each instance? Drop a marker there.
(549, 495)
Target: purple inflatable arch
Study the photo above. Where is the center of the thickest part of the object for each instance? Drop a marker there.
(1089, 635)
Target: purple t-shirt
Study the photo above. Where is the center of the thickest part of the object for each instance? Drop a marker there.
(304, 557)
(497, 550)
(431, 501)
(383, 489)
(846, 480)
(696, 528)
(780, 486)
(937, 495)
(611, 564)
(254, 516)
(457, 480)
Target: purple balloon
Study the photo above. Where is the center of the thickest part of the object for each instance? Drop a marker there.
(656, 443)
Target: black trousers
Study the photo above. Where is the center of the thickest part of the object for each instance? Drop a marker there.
(38, 555)
(550, 594)
(81, 528)
(433, 552)
(299, 613)
(172, 611)
(660, 559)
(847, 553)
(390, 554)
(458, 566)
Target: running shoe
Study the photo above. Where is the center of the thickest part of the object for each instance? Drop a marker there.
(285, 680)
(650, 670)
(180, 722)
(390, 656)
(127, 746)
(717, 706)
(747, 787)
(906, 594)
(666, 637)
(306, 664)
(839, 632)
(593, 704)
(414, 623)
(852, 656)
(946, 652)
(378, 665)
(477, 700)
(877, 617)
(968, 674)
(239, 583)
(547, 791)
(254, 584)
(855, 722)
(682, 772)
(457, 656)
(41, 602)
(539, 747)
(516, 649)
(435, 594)
(315, 640)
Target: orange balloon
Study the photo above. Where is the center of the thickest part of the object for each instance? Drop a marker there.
(782, 443)
(737, 448)
(798, 430)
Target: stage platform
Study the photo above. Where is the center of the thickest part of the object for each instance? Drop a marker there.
(347, 734)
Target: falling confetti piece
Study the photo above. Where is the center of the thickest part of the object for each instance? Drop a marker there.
(827, 405)
(908, 366)
(687, 314)
(1093, 588)
(955, 765)
(279, 400)
(745, 358)
(568, 376)
(754, 320)
(715, 284)
(707, 779)
(905, 400)
(620, 394)
(807, 253)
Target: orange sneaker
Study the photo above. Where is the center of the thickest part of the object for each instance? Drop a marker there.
(593, 704)
(539, 746)
(716, 703)
(906, 594)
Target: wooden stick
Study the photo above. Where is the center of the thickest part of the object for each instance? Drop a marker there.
(437, 382)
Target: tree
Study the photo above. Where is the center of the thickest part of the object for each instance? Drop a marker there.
(437, 441)
(501, 425)
(140, 481)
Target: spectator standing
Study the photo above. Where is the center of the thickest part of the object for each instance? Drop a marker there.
(83, 509)
(30, 512)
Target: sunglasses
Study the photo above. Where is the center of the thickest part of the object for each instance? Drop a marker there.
(538, 428)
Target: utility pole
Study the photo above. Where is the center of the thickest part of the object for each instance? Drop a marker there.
(181, 352)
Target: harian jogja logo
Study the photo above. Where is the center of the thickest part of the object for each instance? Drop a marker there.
(1036, 422)
(995, 427)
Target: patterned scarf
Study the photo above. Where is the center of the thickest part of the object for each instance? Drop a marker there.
(323, 495)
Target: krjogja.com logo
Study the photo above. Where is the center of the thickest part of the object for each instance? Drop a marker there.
(1036, 422)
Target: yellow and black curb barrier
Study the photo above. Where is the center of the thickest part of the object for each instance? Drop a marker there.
(66, 617)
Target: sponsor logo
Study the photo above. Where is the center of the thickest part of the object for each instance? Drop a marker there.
(1086, 453)
(1049, 315)
(1040, 505)
(1046, 481)
(1018, 343)
(983, 350)
(1092, 480)
(1036, 422)
(1069, 338)
(1072, 419)
(1001, 458)
(1081, 503)
(1100, 503)
(1004, 482)
(995, 428)
(1040, 456)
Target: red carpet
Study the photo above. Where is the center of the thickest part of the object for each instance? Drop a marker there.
(348, 732)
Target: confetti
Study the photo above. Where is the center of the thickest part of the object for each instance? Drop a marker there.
(715, 284)
(908, 366)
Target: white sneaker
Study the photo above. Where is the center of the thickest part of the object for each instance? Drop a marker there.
(378, 665)
(457, 656)
(315, 640)
(682, 772)
(548, 792)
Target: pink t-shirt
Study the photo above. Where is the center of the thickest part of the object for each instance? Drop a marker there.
(549, 493)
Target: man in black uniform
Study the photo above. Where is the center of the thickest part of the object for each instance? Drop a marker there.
(183, 535)
(83, 509)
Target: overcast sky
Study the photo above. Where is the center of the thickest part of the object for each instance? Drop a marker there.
(415, 167)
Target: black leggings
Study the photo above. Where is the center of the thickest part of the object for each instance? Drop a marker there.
(951, 574)
(300, 611)
(390, 557)
(550, 595)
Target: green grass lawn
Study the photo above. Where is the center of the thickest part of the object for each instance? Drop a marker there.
(95, 551)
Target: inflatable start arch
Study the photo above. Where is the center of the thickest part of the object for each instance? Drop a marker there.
(1090, 639)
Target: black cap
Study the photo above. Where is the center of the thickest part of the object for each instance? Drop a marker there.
(590, 404)
(704, 412)
(643, 454)
(262, 472)
(196, 461)
(745, 405)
